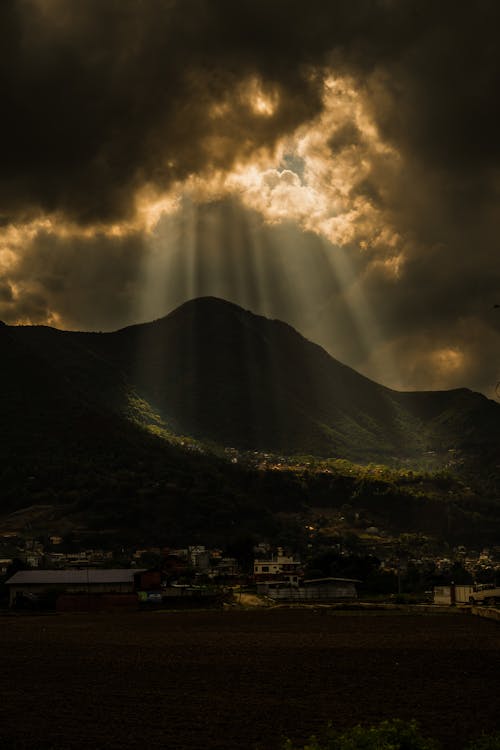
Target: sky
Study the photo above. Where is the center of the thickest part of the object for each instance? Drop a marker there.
(332, 164)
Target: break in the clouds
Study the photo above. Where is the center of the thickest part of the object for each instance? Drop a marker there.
(333, 164)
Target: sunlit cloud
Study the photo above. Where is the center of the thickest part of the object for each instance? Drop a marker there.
(250, 97)
(262, 101)
(428, 361)
(338, 152)
(448, 359)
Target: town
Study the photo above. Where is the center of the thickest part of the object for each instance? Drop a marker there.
(35, 572)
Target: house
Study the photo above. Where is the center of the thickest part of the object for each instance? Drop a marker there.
(453, 594)
(33, 584)
(282, 568)
(199, 557)
(227, 567)
(147, 580)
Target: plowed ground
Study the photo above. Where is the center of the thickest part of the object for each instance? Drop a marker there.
(240, 679)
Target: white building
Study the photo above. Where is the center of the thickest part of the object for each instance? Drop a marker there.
(282, 567)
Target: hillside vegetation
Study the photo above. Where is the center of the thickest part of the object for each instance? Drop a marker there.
(125, 433)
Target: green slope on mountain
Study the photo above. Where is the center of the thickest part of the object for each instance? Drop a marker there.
(73, 448)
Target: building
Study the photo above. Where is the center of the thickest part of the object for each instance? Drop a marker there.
(227, 567)
(326, 590)
(453, 594)
(279, 568)
(199, 557)
(34, 584)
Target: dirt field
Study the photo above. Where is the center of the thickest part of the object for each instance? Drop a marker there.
(240, 679)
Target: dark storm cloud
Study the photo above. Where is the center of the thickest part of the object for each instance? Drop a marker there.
(6, 294)
(441, 103)
(101, 96)
(346, 136)
(89, 283)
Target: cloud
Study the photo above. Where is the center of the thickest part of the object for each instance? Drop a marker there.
(100, 99)
(89, 282)
(362, 133)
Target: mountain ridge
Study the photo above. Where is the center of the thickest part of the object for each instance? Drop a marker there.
(217, 372)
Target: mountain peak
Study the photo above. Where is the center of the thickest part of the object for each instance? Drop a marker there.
(208, 301)
(209, 306)
(217, 372)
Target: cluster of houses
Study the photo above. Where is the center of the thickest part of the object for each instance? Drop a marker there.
(93, 578)
(278, 577)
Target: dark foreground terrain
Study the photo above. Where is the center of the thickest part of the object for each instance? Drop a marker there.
(241, 679)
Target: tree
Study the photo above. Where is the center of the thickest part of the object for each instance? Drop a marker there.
(388, 735)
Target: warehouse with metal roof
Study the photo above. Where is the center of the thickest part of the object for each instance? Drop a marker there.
(34, 583)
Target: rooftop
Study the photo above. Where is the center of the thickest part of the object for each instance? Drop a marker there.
(331, 580)
(83, 576)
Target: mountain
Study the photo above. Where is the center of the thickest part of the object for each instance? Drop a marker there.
(218, 373)
(97, 435)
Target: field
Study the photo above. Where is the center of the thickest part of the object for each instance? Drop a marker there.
(241, 679)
